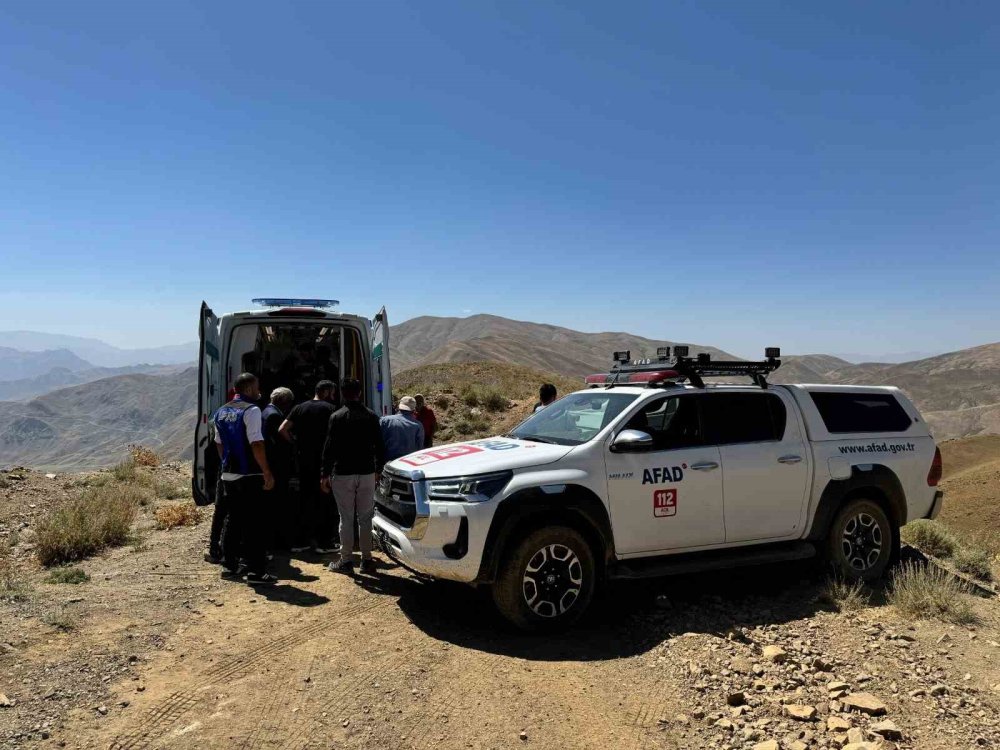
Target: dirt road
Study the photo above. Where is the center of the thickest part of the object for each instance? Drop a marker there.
(156, 651)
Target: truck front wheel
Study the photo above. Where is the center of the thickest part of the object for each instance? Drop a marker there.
(861, 541)
(546, 580)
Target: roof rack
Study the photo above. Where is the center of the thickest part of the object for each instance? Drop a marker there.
(670, 370)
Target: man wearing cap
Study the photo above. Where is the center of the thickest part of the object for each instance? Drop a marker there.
(402, 432)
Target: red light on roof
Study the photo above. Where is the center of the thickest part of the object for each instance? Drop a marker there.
(599, 379)
(652, 377)
(298, 311)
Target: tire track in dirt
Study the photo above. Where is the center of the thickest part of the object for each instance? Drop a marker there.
(161, 717)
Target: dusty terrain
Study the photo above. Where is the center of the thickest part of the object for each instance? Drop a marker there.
(156, 651)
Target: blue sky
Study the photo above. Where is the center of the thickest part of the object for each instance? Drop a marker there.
(825, 177)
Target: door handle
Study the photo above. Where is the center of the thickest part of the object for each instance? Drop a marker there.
(705, 466)
(789, 459)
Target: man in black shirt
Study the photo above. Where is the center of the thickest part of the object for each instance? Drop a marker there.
(306, 426)
(282, 462)
(353, 453)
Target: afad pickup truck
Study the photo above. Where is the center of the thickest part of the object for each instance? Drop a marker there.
(652, 471)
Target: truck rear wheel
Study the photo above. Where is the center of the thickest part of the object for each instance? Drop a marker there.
(546, 580)
(860, 545)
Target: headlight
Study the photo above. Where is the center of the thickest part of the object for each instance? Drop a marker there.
(476, 489)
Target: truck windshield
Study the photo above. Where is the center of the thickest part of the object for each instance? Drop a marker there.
(575, 419)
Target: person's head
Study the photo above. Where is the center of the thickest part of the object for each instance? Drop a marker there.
(247, 386)
(324, 390)
(305, 351)
(351, 389)
(547, 394)
(282, 398)
(421, 403)
(407, 405)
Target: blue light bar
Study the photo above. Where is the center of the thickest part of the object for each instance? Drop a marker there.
(324, 304)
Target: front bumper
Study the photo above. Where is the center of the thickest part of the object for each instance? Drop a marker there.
(935, 508)
(434, 553)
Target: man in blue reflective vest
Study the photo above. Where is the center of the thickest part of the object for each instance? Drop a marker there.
(247, 477)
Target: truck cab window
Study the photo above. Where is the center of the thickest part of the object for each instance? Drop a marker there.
(743, 418)
(672, 421)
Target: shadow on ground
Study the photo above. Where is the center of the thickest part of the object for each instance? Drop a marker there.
(625, 620)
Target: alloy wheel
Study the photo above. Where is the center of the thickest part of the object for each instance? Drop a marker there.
(552, 580)
(861, 541)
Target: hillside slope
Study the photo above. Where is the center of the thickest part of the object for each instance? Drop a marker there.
(430, 340)
(972, 485)
(89, 425)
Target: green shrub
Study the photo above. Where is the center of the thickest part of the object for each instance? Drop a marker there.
(99, 518)
(493, 399)
(126, 471)
(974, 561)
(470, 396)
(169, 490)
(926, 591)
(67, 575)
(930, 537)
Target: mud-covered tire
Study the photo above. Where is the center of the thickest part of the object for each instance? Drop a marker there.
(546, 580)
(861, 542)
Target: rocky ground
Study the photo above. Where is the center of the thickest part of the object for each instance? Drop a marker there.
(156, 651)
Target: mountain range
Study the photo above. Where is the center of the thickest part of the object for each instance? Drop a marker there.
(89, 425)
(95, 352)
(482, 338)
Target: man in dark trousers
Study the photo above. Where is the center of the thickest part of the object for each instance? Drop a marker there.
(306, 426)
(247, 479)
(281, 461)
(351, 457)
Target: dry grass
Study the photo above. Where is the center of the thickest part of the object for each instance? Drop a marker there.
(845, 596)
(177, 514)
(974, 561)
(926, 591)
(60, 619)
(143, 456)
(12, 587)
(99, 518)
(930, 537)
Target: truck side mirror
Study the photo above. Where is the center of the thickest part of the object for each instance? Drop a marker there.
(632, 441)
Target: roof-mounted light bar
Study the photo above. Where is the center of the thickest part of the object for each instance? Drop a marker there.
(321, 304)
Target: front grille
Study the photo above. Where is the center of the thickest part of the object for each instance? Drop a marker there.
(394, 499)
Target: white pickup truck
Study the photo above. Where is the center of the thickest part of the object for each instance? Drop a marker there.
(651, 471)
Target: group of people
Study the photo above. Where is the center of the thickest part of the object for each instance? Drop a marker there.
(336, 454)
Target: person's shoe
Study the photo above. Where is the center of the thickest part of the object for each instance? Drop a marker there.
(260, 578)
(229, 573)
(214, 559)
(369, 566)
(341, 566)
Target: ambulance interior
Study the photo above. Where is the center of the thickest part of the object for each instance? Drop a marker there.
(296, 355)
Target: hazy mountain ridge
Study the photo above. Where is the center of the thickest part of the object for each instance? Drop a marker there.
(16, 364)
(61, 377)
(98, 353)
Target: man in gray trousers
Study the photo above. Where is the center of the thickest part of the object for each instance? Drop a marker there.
(351, 457)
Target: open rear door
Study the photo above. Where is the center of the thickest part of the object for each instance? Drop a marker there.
(381, 374)
(206, 459)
